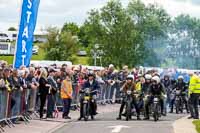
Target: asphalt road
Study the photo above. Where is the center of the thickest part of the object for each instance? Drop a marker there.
(107, 123)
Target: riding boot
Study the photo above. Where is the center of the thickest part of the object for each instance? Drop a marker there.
(119, 118)
(138, 117)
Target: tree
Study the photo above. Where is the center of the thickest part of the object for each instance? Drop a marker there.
(60, 45)
(12, 29)
(113, 29)
(152, 23)
(185, 41)
(71, 27)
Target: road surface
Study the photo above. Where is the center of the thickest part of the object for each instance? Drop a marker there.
(107, 123)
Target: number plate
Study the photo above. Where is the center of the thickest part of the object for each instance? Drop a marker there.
(129, 92)
(156, 99)
(86, 98)
(85, 101)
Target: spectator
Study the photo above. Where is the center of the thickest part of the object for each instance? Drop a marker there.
(43, 90)
(16, 93)
(66, 95)
(52, 93)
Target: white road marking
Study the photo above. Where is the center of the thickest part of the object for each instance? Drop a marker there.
(117, 128)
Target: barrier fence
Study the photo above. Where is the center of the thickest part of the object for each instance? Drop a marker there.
(24, 104)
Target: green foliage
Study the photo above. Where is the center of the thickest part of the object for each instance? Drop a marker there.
(185, 41)
(126, 35)
(12, 29)
(152, 23)
(60, 46)
(197, 124)
(72, 28)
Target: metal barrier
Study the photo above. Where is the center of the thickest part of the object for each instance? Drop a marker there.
(19, 104)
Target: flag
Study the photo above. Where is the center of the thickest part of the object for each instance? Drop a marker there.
(23, 48)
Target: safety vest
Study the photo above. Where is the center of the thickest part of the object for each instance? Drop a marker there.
(197, 89)
(138, 86)
(194, 86)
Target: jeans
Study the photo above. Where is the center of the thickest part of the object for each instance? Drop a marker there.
(103, 92)
(50, 105)
(108, 88)
(66, 106)
(3, 101)
(118, 91)
(112, 90)
(59, 101)
(16, 108)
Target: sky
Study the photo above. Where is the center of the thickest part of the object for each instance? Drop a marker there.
(57, 12)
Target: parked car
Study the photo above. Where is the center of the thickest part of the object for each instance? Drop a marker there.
(4, 37)
(35, 50)
(82, 53)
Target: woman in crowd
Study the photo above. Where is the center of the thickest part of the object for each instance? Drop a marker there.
(43, 90)
(66, 95)
(2, 95)
(16, 93)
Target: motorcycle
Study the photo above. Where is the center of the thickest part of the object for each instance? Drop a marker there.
(128, 99)
(156, 108)
(87, 100)
(178, 102)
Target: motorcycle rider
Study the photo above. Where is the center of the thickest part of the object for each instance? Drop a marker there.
(146, 84)
(167, 86)
(156, 89)
(94, 86)
(145, 88)
(182, 86)
(129, 85)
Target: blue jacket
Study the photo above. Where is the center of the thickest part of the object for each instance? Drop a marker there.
(93, 86)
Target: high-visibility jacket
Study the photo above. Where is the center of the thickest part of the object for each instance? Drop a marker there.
(194, 86)
(138, 86)
(197, 89)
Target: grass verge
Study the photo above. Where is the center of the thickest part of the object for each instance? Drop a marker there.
(197, 125)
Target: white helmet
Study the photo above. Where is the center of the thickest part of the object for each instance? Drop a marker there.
(148, 77)
(111, 66)
(180, 77)
(131, 77)
(156, 78)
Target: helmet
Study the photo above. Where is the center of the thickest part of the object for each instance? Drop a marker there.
(148, 77)
(156, 78)
(166, 75)
(180, 77)
(111, 66)
(131, 77)
(91, 74)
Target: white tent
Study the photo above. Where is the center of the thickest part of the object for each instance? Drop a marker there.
(46, 63)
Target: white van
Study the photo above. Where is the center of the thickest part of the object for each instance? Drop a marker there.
(4, 37)
(6, 48)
